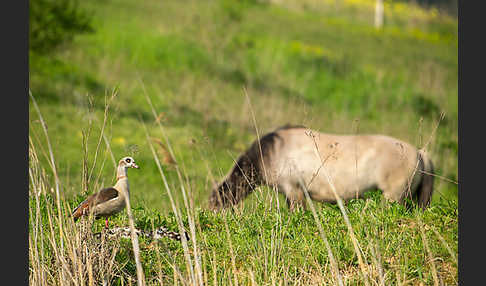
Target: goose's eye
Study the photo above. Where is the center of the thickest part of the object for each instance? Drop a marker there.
(128, 160)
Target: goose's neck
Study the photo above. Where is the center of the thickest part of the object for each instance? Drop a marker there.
(121, 172)
(122, 180)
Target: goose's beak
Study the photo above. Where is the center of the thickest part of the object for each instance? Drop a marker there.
(135, 166)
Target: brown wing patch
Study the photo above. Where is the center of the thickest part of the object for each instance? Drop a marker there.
(81, 210)
(102, 196)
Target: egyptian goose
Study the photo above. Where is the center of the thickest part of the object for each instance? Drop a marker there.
(108, 201)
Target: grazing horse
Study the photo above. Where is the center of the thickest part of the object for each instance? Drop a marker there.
(294, 159)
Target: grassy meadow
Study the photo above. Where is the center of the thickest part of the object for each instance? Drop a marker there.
(184, 86)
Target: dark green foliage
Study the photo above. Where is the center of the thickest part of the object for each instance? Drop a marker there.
(54, 22)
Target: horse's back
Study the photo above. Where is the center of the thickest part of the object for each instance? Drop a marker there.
(336, 148)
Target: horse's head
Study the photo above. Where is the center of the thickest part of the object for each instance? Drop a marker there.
(239, 182)
(222, 196)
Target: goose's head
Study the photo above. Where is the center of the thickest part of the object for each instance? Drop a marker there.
(128, 162)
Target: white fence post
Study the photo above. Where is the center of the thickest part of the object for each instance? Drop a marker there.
(379, 14)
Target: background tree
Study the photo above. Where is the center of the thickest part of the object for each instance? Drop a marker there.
(55, 22)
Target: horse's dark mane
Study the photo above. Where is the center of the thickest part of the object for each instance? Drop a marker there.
(248, 172)
(289, 126)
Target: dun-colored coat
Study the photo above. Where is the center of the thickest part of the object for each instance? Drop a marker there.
(295, 159)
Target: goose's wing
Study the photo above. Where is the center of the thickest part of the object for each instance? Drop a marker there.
(100, 197)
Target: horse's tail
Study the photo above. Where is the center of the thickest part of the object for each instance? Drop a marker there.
(426, 187)
(248, 172)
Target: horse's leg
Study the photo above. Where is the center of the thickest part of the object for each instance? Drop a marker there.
(295, 204)
(293, 196)
(398, 188)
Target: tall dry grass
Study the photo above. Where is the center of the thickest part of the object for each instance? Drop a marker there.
(75, 256)
(61, 252)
